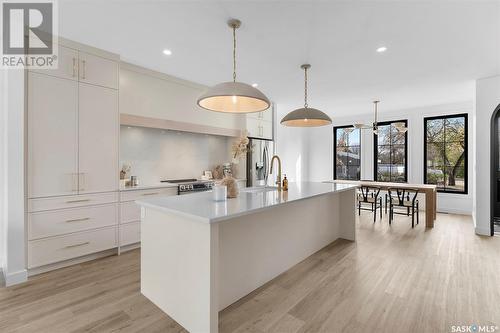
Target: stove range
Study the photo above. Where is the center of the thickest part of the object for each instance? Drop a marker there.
(190, 185)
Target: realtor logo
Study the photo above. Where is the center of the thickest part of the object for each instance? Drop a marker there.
(28, 31)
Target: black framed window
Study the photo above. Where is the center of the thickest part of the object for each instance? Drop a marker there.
(390, 151)
(445, 152)
(347, 153)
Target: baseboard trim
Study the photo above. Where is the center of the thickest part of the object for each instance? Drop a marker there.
(130, 247)
(483, 231)
(71, 262)
(15, 277)
(454, 211)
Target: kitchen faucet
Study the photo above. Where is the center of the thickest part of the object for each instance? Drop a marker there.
(278, 180)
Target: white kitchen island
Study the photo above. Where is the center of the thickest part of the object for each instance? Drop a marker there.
(198, 256)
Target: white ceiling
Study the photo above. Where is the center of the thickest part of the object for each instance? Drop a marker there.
(436, 49)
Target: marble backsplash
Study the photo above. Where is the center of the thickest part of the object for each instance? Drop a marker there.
(156, 154)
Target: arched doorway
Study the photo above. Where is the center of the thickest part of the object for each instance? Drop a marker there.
(495, 172)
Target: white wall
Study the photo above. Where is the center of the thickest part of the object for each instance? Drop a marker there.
(291, 144)
(13, 177)
(3, 128)
(156, 154)
(319, 149)
(487, 100)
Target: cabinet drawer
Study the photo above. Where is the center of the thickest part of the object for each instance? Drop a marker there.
(54, 249)
(65, 221)
(36, 205)
(129, 212)
(130, 233)
(141, 194)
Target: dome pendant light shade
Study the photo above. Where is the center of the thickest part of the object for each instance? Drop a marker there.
(306, 116)
(234, 97)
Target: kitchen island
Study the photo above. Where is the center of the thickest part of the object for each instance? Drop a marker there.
(198, 256)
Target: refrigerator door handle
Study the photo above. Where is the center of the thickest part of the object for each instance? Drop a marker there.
(265, 159)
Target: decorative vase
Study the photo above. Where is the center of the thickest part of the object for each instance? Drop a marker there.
(232, 186)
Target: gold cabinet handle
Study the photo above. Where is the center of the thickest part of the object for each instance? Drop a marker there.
(74, 66)
(78, 220)
(81, 181)
(76, 245)
(84, 65)
(151, 193)
(78, 200)
(74, 182)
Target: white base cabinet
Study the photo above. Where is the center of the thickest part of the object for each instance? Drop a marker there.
(51, 250)
(130, 212)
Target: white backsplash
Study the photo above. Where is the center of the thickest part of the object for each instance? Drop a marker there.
(156, 154)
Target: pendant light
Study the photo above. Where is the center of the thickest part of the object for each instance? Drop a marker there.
(234, 97)
(306, 116)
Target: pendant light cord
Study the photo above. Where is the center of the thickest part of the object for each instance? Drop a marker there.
(234, 54)
(305, 88)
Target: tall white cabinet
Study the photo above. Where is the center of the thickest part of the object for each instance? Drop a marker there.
(52, 136)
(72, 163)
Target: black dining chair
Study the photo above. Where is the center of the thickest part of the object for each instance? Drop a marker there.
(406, 201)
(369, 199)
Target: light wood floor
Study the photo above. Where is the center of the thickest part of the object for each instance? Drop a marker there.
(394, 279)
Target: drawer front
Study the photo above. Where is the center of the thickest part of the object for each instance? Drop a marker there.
(130, 233)
(54, 249)
(60, 222)
(141, 194)
(129, 212)
(72, 201)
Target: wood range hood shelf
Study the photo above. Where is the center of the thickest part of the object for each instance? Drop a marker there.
(141, 121)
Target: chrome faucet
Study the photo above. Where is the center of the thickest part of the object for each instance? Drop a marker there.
(278, 180)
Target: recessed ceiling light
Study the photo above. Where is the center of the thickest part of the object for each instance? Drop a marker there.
(254, 85)
(167, 52)
(382, 49)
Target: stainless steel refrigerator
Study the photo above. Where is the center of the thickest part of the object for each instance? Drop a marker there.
(258, 158)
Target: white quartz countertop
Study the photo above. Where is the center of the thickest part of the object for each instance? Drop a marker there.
(202, 207)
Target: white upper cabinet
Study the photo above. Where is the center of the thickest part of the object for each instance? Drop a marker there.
(98, 122)
(260, 124)
(97, 70)
(67, 64)
(52, 136)
(266, 115)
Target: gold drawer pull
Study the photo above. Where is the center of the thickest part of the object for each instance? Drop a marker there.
(79, 200)
(78, 220)
(76, 245)
(151, 193)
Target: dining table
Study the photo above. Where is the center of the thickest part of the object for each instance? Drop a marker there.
(429, 190)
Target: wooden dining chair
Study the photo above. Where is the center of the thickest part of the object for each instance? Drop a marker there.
(369, 199)
(406, 200)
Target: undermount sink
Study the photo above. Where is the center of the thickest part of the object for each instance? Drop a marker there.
(259, 189)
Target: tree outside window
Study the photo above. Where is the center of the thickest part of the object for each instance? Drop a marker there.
(347, 153)
(445, 152)
(390, 153)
